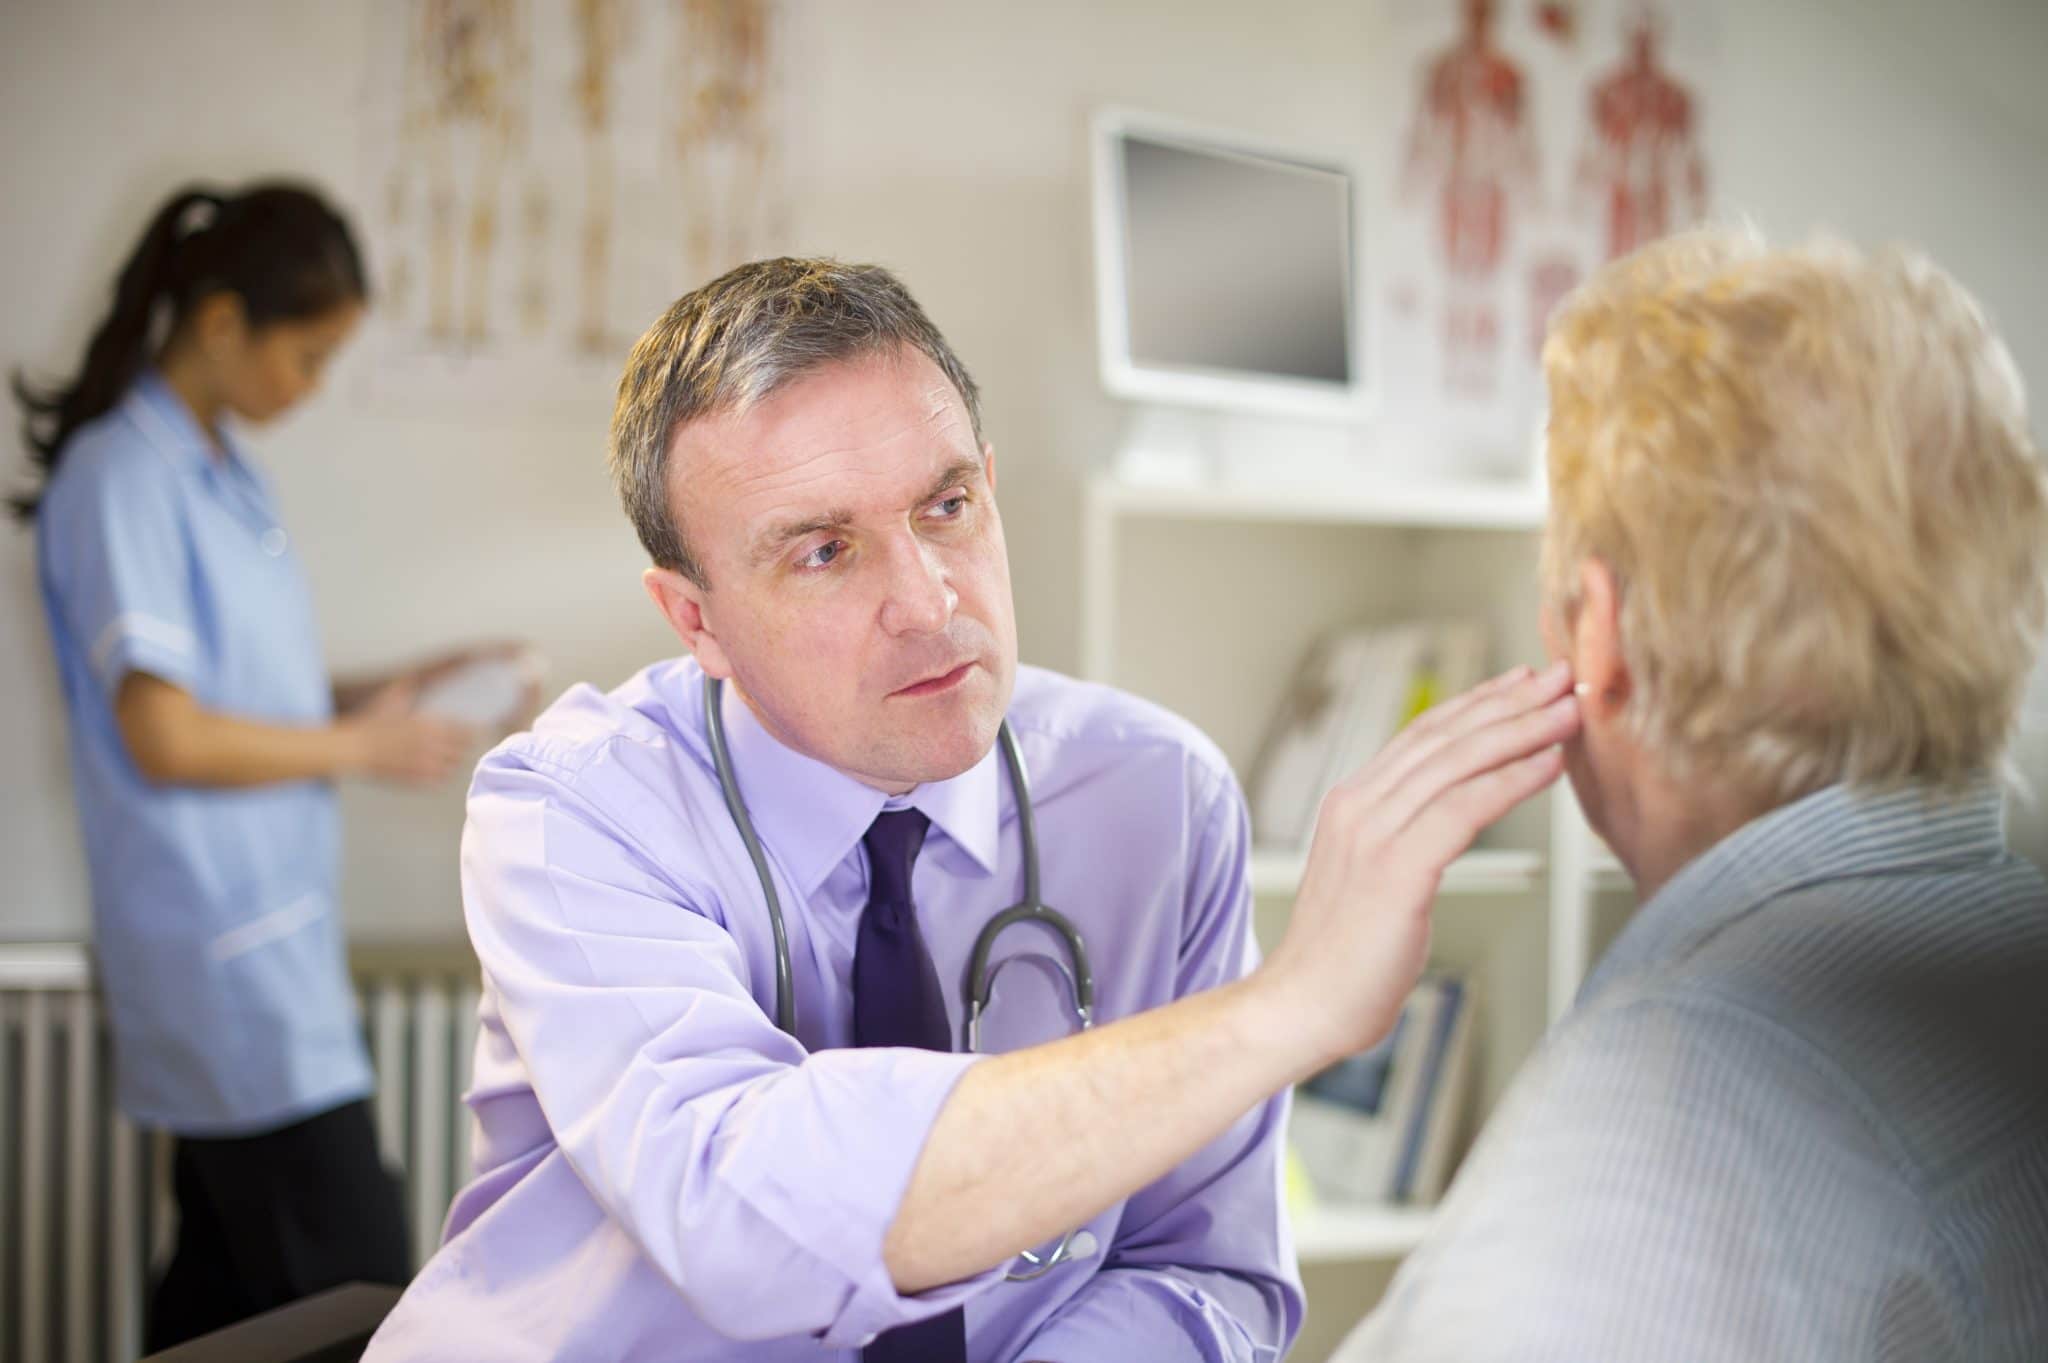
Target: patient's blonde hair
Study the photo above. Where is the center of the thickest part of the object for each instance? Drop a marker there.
(1810, 473)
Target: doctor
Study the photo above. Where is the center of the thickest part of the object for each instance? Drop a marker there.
(661, 1170)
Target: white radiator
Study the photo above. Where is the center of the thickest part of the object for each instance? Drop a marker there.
(85, 1213)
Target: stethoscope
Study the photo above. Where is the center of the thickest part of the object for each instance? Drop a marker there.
(981, 980)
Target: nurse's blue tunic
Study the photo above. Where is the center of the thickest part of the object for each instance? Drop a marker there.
(217, 936)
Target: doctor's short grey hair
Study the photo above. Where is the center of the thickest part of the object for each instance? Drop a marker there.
(733, 343)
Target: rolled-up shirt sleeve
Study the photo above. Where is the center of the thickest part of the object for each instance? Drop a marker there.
(758, 1178)
(1202, 1268)
(120, 568)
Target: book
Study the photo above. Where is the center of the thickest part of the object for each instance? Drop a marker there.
(1353, 691)
(1451, 1089)
(1428, 1132)
(1378, 706)
(1288, 783)
(1382, 1127)
(1350, 1122)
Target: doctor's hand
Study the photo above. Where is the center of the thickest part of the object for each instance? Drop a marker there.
(1359, 933)
(390, 740)
(1135, 1097)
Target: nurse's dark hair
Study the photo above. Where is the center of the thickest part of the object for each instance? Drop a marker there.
(279, 247)
(735, 341)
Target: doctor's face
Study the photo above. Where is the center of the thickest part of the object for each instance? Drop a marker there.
(859, 589)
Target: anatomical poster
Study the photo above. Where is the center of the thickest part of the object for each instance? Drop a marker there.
(1522, 144)
(543, 176)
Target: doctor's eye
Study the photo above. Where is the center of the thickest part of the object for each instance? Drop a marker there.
(950, 507)
(821, 557)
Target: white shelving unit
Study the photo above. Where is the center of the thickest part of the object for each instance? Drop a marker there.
(1558, 861)
(1490, 506)
(1506, 870)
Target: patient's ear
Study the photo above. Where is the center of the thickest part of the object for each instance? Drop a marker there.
(1598, 668)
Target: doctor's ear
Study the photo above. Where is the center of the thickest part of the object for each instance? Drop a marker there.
(681, 603)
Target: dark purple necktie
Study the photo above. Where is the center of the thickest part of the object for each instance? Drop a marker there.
(897, 1001)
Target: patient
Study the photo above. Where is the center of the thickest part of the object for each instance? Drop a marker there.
(1800, 1109)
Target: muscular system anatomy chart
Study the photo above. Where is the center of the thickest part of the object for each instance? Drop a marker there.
(1518, 145)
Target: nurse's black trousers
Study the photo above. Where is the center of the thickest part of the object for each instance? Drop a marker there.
(266, 1219)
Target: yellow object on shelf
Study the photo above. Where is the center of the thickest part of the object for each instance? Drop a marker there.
(1300, 1192)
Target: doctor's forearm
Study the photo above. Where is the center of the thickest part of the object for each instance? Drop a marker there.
(1033, 1143)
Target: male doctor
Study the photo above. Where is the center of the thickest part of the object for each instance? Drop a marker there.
(662, 1172)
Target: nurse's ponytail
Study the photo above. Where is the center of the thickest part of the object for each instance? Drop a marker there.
(281, 248)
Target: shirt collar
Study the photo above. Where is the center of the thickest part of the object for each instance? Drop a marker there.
(813, 814)
(1832, 834)
(170, 427)
(967, 809)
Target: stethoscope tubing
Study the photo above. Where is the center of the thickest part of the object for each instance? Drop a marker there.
(980, 979)
(729, 786)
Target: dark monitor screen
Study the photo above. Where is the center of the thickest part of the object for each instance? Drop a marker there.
(1236, 263)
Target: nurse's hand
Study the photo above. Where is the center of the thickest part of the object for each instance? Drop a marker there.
(532, 669)
(1359, 933)
(392, 741)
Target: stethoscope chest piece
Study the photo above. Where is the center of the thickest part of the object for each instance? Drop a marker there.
(982, 974)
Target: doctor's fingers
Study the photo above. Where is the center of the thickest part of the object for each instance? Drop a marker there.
(1467, 752)
(1523, 688)
(1443, 830)
(1447, 710)
(1513, 693)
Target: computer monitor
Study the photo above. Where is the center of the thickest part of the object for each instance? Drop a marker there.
(1224, 272)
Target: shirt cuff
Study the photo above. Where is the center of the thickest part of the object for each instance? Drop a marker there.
(1123, 1313)
(833, 1177)
(135, 642)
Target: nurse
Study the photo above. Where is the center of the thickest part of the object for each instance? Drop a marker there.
(205, 738)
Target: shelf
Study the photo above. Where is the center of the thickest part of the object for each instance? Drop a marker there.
(1608, 872)
(56, 966)
(1488, 871)
(1335, 1233)
(1500, 504)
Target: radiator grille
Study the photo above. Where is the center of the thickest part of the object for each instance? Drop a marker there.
(84, 1196)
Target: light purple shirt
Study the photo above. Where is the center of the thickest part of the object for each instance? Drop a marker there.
(662, 1174)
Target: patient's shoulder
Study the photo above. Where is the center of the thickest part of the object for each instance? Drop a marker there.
(1914, 995)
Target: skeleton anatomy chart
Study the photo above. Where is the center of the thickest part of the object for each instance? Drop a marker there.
(546, 175)
(1535, 139)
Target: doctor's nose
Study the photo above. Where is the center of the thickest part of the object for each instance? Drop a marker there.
(920, 600)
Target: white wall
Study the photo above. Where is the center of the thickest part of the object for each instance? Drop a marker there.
(945, 139)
